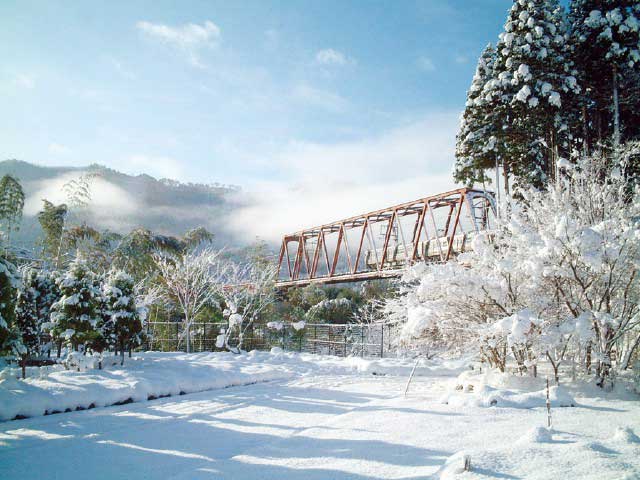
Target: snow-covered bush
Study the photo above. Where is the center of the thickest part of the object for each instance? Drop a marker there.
(559, 277)
(335, 310)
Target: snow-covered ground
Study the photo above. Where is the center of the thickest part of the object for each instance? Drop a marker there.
(315, 417)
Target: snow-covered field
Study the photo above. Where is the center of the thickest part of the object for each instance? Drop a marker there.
(305, 416)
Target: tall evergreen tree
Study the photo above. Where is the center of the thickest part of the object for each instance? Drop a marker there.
(475, 142)
(533, 76)
(10, 338)
(124, 325)
(605, 37)
(26, 313)
(75, 316)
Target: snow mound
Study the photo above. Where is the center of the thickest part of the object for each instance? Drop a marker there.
(488, 396)
(151, 376)
(536, 435)
(491, 389)
(625, 435)
(453, 466)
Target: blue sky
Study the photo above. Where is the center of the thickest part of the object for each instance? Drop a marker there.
(346, 97)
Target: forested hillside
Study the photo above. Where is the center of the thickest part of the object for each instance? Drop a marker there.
(121, 202)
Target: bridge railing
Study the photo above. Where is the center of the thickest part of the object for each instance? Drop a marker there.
(382, 243)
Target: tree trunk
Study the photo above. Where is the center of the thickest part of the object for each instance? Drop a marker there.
(585, 132)
(121, 353)
(23, 366)
(616, 110)
(505, 173)
(188, 334)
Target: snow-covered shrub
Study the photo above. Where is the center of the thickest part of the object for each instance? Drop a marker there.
(336, 310)
(559, 277)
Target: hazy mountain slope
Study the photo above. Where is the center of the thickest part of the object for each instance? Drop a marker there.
(121, 202)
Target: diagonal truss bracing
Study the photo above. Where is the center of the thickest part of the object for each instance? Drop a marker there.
(382, 243)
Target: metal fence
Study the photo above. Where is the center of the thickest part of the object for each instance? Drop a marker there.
(372, 340)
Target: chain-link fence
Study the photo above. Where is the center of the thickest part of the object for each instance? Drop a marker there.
(366, 340)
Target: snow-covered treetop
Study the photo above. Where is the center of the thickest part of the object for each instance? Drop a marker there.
(613, 26)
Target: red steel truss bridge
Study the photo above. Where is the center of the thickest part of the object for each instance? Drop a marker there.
(381, 244)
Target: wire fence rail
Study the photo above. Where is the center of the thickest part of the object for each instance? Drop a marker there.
(347, 339)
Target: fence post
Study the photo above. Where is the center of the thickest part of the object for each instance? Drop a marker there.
(315, 338)
(382, 341)
(362, 338)
(204, 336)
(345, 341)
(284, 333)
(177, 335)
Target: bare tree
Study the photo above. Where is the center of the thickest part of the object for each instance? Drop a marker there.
(247, 290)
(191, 280)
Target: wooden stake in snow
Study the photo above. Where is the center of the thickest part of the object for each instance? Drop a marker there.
(467, 463)
(413, 370)
(548, 406)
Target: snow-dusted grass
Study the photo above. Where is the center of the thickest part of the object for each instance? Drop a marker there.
(330, 418)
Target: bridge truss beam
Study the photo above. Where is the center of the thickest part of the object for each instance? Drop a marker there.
(430, 229)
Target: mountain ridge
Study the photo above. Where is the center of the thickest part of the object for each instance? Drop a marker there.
(121, 202)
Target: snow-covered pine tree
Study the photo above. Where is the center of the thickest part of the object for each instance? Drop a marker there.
(475, 142)
(533, 75)
(75, 315)
(124, 326)
(48, 294)
(605, 37)
(10, 338)
(26, 315)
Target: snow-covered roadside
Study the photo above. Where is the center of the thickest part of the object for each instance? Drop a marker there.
(153, 374)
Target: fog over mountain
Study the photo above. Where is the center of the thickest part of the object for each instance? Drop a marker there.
(121, 202)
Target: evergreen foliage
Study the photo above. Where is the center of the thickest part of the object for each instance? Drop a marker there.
(75, 316)
(122, 327)
(606, 48)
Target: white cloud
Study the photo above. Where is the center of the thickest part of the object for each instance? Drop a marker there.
(24, 80)
(189, 38)
(329, 56)
(106, 198)
(58, 149)
(328, 182)
(425, 64)
(315, 97)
